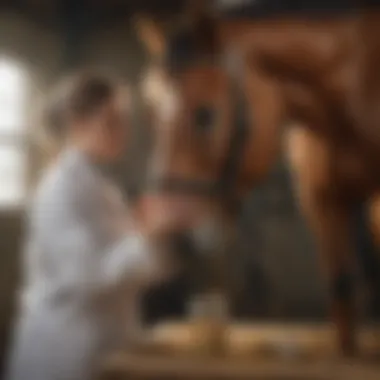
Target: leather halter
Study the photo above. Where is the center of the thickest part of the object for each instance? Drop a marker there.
(182, 54)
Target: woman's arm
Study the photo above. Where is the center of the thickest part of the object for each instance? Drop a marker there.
(84, 264)
(84, 253)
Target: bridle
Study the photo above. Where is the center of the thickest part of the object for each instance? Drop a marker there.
(182, 53)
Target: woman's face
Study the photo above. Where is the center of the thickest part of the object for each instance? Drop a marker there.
(111, 125)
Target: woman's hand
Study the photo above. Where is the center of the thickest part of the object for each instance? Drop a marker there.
(161, 215)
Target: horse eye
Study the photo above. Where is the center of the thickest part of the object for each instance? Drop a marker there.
(204, 118)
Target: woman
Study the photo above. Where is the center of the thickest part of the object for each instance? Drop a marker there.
(85, 262)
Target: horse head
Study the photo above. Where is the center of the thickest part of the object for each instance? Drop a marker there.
(216, 116)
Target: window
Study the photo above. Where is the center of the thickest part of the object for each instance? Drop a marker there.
(13, 88)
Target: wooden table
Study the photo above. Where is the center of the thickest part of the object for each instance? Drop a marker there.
(168, 359)
(132, 366)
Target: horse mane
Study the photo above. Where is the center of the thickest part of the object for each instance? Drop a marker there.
(251, 9)
(196, 38)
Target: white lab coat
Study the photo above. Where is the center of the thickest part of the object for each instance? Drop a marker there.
(83, 272)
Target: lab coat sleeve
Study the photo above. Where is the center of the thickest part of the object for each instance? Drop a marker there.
(85, 248)
(87, 266)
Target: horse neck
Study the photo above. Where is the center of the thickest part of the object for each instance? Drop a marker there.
(285, 59)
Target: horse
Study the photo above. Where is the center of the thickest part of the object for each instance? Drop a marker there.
(308, 83)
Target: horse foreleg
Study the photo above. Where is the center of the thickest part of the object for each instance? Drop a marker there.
(330, 222)
(373, 271)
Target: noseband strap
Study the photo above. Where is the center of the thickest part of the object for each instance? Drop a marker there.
(230, 174)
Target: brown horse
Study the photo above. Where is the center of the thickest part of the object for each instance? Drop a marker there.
(317, 76)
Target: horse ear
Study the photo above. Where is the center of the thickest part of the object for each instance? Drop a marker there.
(195, 8)
(152, 35)
(203, 21)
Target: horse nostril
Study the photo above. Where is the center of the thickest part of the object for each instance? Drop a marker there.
(183, 243)
(184, 248)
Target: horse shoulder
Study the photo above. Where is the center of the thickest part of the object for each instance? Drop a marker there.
(310, 158)
(374, 218)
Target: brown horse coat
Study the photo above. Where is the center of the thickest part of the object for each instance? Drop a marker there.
(319, 76)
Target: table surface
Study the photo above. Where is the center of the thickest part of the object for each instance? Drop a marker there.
(155, 366)
(163, 355)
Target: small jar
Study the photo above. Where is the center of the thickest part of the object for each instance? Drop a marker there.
(208, 315)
